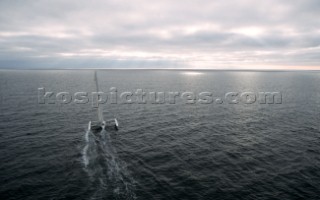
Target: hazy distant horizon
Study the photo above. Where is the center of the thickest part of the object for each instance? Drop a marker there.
(177, 69)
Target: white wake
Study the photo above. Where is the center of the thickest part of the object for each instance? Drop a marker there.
(106, 172)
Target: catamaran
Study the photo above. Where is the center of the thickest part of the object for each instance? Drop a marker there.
(98, 126)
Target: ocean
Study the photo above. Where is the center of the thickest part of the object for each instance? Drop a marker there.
(212, 136)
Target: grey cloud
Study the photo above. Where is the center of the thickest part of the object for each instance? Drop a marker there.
(155, 34)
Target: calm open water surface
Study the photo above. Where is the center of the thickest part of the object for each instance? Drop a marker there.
(161, 151)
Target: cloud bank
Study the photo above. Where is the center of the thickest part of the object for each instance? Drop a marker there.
(242, 34)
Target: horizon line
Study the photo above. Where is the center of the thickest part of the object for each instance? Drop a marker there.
(173, 69)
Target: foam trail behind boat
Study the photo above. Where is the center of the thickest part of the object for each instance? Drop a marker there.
(107, 173)
(85, 149)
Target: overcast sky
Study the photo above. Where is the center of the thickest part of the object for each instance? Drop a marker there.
(226, 34)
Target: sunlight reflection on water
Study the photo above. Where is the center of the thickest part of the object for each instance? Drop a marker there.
(190, 73)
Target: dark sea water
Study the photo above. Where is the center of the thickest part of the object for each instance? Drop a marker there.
(161, 151)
